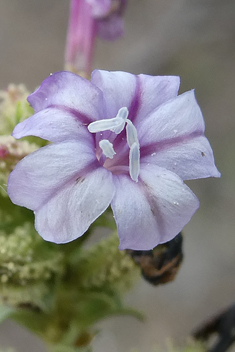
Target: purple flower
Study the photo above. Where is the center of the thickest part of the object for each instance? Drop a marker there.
(121, 139)
(88, 19)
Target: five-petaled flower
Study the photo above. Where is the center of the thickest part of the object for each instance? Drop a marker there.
(89, 19)
(121, 139)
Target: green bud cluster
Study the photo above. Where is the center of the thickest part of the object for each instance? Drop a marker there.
(104, 266)
(11, 152)
(27, 266)
(13, 107)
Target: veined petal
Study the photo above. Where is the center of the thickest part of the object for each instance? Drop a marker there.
(180, 116)
(140, 94)
(39, 176)
(190, 158)
(119, 89)
(69, 213)
(54, 125)
(70, 91)
(154, 210)
(155, 90)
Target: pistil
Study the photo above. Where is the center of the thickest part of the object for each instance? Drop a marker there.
(107, 148)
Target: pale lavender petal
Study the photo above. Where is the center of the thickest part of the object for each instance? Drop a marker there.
(119, 89)
(41, 174)
(140, 94)
(55, 125)
(173, 137)
(190, 158)
(71, 92)
(155, 90)
(154, 210)
(111, 27)
(70, 212)
(178, 117)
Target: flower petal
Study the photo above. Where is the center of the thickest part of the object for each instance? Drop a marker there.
(68, 214)
(53, 124)
(41, 174)
(119, 89)
(180, 116)
(173, 137)
(152, 211)
(155, 90)
(69, 91)
(190, 158)
(140, 94)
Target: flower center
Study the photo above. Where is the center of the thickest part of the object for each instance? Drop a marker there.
(117, 125)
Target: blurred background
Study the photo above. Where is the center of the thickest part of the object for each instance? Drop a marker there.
(193, 39)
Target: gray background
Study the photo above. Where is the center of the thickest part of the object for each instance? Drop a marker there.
(195, 40)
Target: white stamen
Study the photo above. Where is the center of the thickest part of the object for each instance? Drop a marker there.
(104, 125)
(131, 134)
(107, 148)
(134, 162)
(115, 124)
(123, 114)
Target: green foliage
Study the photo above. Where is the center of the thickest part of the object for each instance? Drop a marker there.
(28, 267)
(60, 293)
(11, 152)
(104, 267)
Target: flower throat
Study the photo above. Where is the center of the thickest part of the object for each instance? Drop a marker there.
(117, 125)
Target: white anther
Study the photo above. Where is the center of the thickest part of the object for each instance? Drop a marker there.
(115, 124)
(107, 148)
(134, 162)
(131, 134)
(104, 125)
(123, 114)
